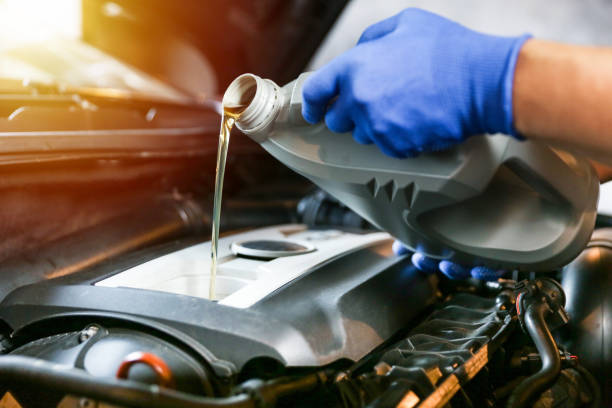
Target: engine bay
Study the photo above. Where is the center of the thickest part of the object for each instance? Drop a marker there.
(104, 265)
(347, 325)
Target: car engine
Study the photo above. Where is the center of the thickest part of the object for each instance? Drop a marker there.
(104, 262)
(345, 324)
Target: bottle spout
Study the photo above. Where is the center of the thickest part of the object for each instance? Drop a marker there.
(258, 99)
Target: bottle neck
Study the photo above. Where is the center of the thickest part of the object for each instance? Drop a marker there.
(261, 97)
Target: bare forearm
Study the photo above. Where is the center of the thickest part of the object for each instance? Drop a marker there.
(604, 171)
(563, 96)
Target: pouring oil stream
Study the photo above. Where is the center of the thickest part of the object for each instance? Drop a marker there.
(230, 114)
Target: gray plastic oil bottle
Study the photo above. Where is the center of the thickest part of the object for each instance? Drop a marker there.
(493, 200)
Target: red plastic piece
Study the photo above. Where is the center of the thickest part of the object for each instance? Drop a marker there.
(518, 304)
(163, 372)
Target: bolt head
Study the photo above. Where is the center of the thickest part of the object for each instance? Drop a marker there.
(87, 403)
(88, 333)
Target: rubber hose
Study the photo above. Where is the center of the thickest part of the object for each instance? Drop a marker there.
(549, 354)
(593, 385)
(55, 377)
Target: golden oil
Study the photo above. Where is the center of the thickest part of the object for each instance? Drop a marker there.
(230, 114)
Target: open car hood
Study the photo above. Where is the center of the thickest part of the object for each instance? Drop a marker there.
(109, 143)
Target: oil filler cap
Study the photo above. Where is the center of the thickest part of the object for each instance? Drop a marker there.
(271, 248)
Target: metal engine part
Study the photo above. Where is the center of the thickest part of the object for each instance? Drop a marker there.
(438, 343)
(100, 351)
(587, 281)
(439, 357)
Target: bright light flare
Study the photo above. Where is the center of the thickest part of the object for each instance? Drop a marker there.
(40, 42)
(32, 21)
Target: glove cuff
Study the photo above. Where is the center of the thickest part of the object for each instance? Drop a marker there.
(493, 78)
(508, 86)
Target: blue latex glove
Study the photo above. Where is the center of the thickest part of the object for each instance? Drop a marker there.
(417, 82)
(450, 269)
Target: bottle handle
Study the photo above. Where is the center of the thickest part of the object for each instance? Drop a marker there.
(554, 174)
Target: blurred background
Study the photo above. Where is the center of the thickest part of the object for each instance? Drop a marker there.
(109, 111)
(578, 22)
(109, 121)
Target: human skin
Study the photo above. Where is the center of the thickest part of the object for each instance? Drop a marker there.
(562, 96)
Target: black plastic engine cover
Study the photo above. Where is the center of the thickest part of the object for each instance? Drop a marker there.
(343, 309)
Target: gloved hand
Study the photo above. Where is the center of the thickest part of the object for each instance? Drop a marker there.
(417, 82)
(451, 269)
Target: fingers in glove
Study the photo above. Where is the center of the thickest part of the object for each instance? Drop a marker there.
(454, 270)
(319, 89)
(338, 118)
(399, 248)
(486, 274)
(424, 263)
(392, 149)
(361, 137)
(379, 138)
(379, 29)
